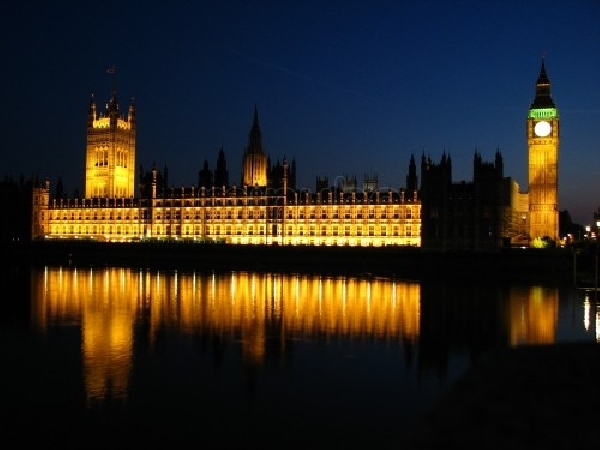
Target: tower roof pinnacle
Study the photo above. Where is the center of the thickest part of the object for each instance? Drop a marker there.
(255, 122)
(255, 137)
(543, 99)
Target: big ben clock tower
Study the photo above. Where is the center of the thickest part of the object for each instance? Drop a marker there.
(542, 142)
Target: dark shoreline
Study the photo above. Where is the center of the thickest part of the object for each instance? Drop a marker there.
(527, 397)
(516, 265)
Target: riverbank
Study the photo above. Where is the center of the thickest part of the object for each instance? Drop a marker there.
(528, 265)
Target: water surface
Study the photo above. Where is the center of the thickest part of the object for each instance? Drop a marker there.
(131, 357)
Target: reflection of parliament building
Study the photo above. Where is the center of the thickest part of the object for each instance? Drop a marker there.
(263, 314)
(243, 309)
(266, 208)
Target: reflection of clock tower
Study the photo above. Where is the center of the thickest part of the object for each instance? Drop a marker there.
(542, 141)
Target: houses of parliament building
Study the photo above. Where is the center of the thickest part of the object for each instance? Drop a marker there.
(266, 207)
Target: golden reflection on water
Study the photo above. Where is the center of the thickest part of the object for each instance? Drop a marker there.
(106, 302)
(533, 315)
(103, 304)
(243, 307)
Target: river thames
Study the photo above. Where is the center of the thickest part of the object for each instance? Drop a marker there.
(111, 356)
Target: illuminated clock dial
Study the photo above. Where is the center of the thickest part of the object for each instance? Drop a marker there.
(542, 129)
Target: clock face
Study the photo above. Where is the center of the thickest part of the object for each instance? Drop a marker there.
(542, 129)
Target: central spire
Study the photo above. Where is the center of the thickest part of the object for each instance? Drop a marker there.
(255, 136)
(254, 162)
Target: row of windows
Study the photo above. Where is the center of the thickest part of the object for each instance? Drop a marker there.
(64, 215)
(127, 203)
(102, 157)
(227, 231)
(93, 230)
(242, 200)
(313, 231)
(166, 220)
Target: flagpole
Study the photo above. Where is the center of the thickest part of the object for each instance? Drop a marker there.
(111, 71)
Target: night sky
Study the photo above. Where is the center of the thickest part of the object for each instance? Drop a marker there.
(344, 87)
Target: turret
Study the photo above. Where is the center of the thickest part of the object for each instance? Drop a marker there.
(154, 179)
(411, 178)
(131, 113)
(221, 174)
(498, 163)
(285, 178)
(91, 113)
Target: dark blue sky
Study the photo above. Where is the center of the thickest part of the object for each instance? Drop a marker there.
(344, 87)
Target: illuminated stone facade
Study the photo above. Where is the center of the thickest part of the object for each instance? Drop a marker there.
(542, 141)
(266, 208)
(110, 156)
(263, 211)
(239, 217)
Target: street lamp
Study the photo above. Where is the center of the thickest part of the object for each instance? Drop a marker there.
(596, 262)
